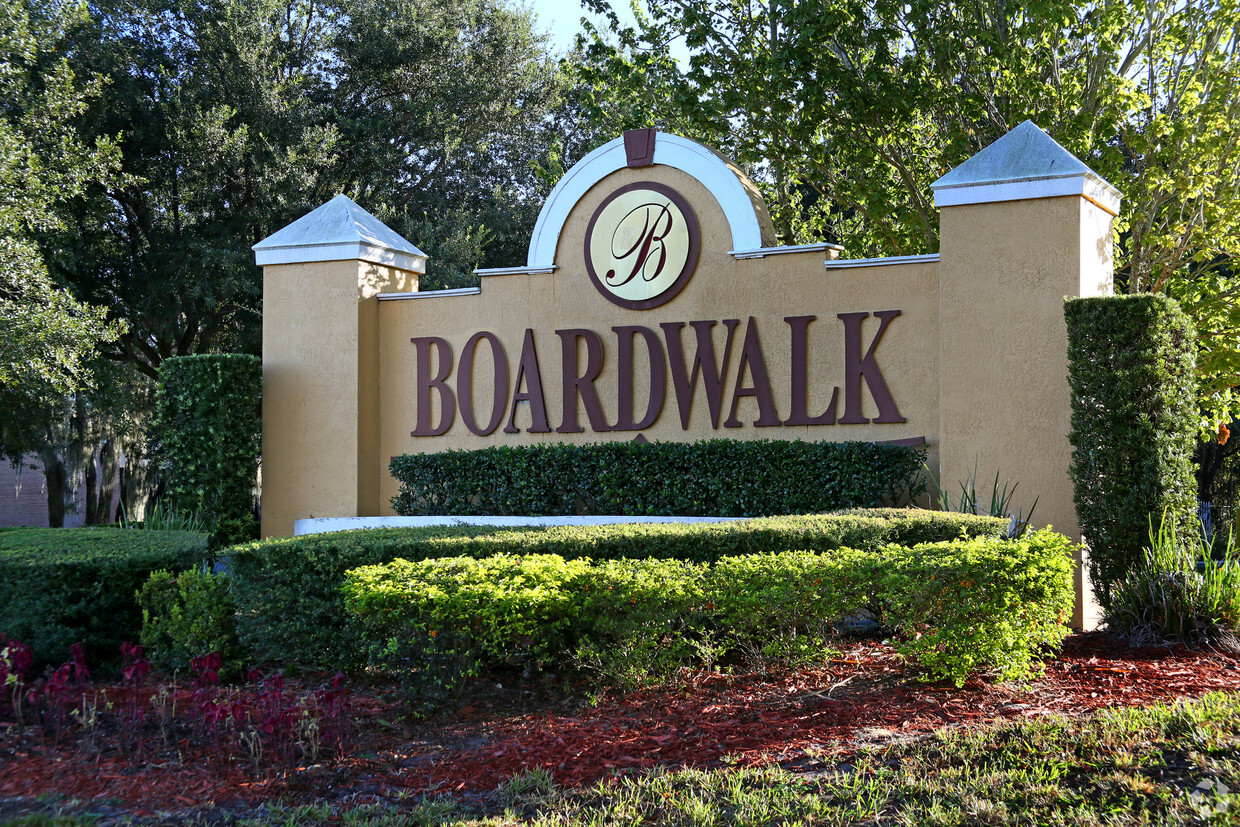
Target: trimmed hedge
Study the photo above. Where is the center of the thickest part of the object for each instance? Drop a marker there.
(208, 425)
(287, 590)
(963, 606)
(1134, 426)
(715, 477)
(60, 586)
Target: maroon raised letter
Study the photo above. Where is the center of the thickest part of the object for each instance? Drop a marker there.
(465, 383)
(527, 369)
(857, 366)
(582, 385)
(800, 377)
(684, 380)
(751, 355)
(426, 383)
(658, 377)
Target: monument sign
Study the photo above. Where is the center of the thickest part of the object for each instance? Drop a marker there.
(655, 302)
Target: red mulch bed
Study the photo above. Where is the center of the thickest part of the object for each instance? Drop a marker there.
(861, 698)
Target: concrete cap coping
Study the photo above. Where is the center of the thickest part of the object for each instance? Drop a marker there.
(1024, 163)
(339, 230)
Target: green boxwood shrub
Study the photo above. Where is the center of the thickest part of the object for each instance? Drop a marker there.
(963, 606)
(783, 605)
(638, 620)
(287, 590)
(449, 612)
(1134, 425)
(968, 605)
(715, 477)
(189, 614)
(208, 427)
(60, 586)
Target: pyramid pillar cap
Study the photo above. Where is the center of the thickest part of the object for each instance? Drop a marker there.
(1024, 163)
(339, 230)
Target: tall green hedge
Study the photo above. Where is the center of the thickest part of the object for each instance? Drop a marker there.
(715, 477)
(288, 590)
(1134, 425)
(60, 586)
(208, 426)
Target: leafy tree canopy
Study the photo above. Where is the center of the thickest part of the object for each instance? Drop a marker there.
(237, 116)
(47, 338)
(846, 111)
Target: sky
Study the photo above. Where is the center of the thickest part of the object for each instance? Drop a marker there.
(563, 19)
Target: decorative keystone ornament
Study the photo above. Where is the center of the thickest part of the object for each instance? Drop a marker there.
(642, 244)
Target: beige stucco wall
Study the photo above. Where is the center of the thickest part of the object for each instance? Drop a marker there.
(320, 388)
(722, 287)
(1005, 269)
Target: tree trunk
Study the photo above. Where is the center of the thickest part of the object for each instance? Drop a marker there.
(108, 458)
(141, 484)
(54, 472)
(92, 490)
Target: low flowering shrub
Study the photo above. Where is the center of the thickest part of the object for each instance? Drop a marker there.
(265, 723)
(132, 711)
(16, 659)
(961, 607)
(51, 702)
(287, 591)
(259, 724)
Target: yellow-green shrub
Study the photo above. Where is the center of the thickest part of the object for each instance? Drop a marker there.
(288, 590)
(439, 621)
(785, 604)
(510, 607)
(639, 619)
(963, 606)
(981, 604)
(187, 615)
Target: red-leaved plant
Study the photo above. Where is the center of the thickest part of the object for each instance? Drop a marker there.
(262, 723)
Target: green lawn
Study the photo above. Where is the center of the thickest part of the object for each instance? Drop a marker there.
(1167, 765)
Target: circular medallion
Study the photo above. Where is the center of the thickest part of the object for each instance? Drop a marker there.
(642, 245)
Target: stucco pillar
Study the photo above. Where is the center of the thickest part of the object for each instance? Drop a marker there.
(321, 277)
(1023, 225)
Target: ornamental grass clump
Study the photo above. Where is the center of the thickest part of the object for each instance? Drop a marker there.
(1180, 593)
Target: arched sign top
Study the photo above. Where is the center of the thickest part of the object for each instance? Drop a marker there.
(737, 196)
